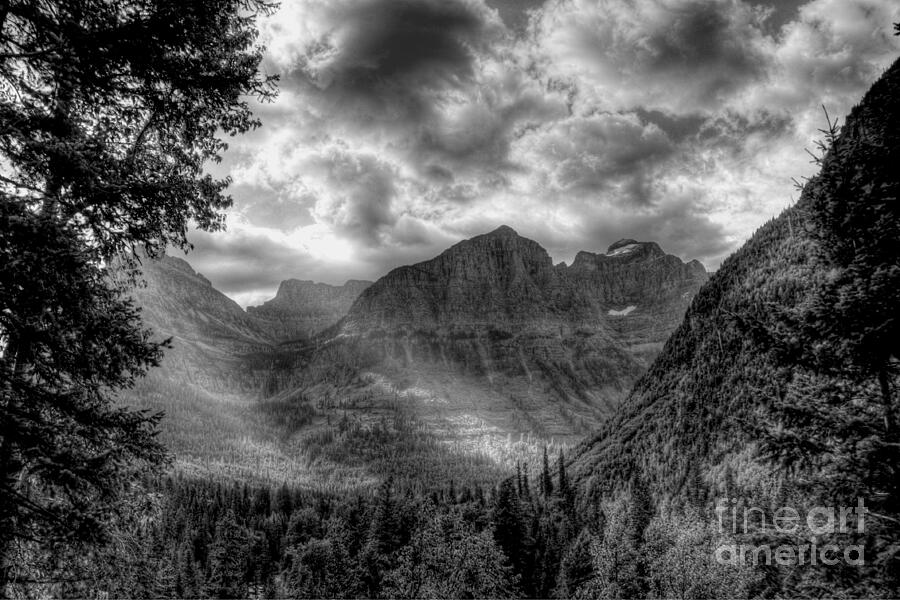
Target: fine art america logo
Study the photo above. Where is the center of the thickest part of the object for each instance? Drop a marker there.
(813, 525)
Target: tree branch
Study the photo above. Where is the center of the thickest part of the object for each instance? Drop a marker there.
(13, 55)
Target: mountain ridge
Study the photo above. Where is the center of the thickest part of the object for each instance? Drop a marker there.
(487, 348)
(302, 308)
(494, 307)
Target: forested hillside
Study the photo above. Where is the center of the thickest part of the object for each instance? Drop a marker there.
(191, 538)
(693, 408)
(780, 383)
(689, 412)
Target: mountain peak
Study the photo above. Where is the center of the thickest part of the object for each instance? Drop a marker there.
(504, 231)
(302, 307)
(629, 247)
(290, 287)
(621, 244)
(178, 264)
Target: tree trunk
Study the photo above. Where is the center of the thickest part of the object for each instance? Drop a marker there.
(887, 403)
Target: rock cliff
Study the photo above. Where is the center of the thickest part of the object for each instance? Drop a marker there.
(496, 307)
(301, 309)
(644, 290)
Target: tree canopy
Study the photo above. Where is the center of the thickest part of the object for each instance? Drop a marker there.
(110, 112)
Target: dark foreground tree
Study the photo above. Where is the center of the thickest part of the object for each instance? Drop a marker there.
(109, 110)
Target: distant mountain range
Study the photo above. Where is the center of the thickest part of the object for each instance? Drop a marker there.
(212, 337)
(487, 340)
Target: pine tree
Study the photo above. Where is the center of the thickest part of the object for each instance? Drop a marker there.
(519, 479)
(546, 479)
(110, 112)
(563, 488)
(68, 340)
(526, 485)
(189, 576)
(617, 565)
(384, 529)
(227, 559)
(547, 556)
(383, 537)
(508, 525)
(260, 561)
(576, 567)
(284, 501)
(640, 510)
(262, 501)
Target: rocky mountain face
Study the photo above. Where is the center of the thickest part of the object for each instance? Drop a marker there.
(493, 280)
(215, 343)
(495, 307)
(644, 290)
(683, 417)
(301, 309)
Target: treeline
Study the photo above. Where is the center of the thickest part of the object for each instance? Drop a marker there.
(526, 537)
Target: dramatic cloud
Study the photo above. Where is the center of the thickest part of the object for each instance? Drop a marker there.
(404, 126)
(829, 55)
(598, 153)
(682, 221)
(430, 81)
(388, 60)
(670, 55)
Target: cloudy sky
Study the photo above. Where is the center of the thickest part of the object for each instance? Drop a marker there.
(403, 126)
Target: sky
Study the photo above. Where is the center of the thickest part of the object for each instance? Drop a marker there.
(404, 126)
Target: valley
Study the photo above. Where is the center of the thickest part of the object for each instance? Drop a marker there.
(458, 368)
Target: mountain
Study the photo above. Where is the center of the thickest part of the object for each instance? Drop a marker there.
(211, 334)
(491, 280)
(641, 282)
(462, 364)
(684, 415)
(496, 307)
(301, 309)
(691, 416)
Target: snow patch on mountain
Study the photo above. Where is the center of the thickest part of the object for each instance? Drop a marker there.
(623, 250)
